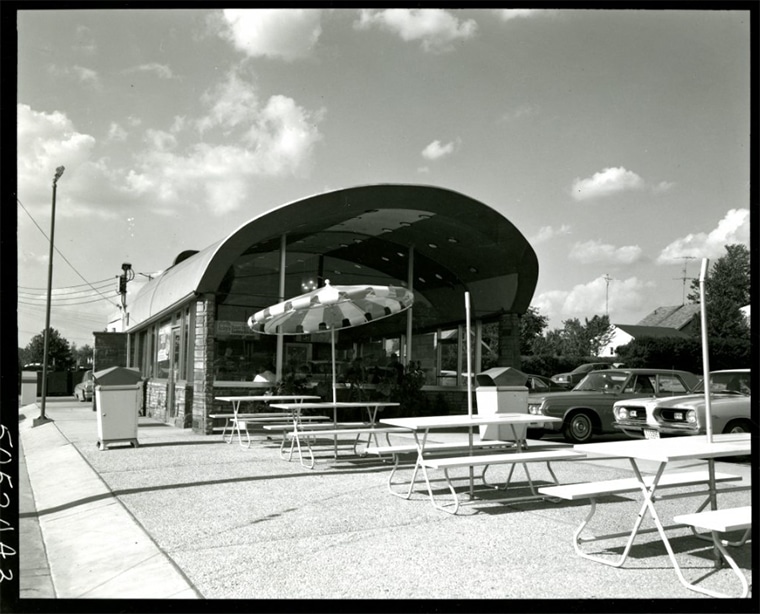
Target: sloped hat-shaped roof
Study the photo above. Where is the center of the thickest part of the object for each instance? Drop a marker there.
(459, 244)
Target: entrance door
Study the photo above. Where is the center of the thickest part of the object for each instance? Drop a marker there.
(174, 364)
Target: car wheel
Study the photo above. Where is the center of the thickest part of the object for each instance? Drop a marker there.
(578, 428)
(738, 426)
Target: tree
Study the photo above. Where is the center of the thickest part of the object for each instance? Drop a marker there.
(598, 332)
(82, 356)
(550, 344)
(532, 325)
(59, 352)
(727, 290)
(575, 340)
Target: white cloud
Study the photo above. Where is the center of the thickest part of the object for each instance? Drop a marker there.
(733, 228)
(162, 71)
(596, 251)
(233, 102)
(436, 29)
(546, 233)
(87, 76)
(623, 299)
(518, 112)
(606, 182)
(436, 150)
(273, 137)
(288, 34)
(116, 132)
(663, 186)
(84, 41)
(276, 138)
(48, 140)
(509, 14)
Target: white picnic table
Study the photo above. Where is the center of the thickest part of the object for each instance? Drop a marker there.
(299, 433)
(422, 425)
(236, 420)
(664, 452)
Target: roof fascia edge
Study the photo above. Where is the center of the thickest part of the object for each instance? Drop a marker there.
(164, 312)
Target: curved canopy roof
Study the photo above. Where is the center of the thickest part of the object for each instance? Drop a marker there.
(362, 234)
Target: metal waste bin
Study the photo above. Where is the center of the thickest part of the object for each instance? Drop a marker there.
(117, 403)
(28, 387)
(501, 390)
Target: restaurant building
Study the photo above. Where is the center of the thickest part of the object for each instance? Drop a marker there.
(187, 328)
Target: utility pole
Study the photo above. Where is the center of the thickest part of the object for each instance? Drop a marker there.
(43, 417)
(684, 277)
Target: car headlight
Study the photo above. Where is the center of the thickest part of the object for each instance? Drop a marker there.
(621, 413)
(691, 416)
(534, 409)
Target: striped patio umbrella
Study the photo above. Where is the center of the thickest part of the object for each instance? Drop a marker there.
(331, 308)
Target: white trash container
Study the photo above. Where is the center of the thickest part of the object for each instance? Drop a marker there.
(117, 403)
(501, 390)
(28, 387)
(118, 407)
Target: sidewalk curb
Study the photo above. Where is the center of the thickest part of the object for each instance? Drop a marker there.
(95, 548)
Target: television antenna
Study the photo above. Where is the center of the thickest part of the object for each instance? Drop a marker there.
(607, 279)
(684, 277)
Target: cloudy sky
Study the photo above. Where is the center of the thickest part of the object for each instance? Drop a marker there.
(617, 141)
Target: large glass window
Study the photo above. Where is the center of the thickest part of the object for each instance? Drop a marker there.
(163, 349)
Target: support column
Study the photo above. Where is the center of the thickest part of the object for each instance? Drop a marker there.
(203, 363)
(509, 341)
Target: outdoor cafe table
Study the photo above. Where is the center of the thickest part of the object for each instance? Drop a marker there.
(422, 425)
(663, 452)
(295, 409)
(234, 421)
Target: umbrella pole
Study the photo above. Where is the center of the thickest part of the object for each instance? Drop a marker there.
(469, 380)
(705, 350)
(332, 346)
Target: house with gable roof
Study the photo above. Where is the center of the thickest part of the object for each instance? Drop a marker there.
(680, 321)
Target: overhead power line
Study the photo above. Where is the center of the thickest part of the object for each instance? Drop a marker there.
(61, 254)
(109, 280)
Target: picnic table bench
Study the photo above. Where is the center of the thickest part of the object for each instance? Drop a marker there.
(312, 431)
(398, 451)
(446, 463)
(594, 490)
(722, 521)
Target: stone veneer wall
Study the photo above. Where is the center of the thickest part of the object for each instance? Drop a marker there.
(203, 373)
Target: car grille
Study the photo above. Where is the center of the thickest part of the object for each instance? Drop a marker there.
(668, 414)
(636, 414)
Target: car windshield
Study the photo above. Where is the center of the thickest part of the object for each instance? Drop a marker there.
(730, 382)
(602, 381)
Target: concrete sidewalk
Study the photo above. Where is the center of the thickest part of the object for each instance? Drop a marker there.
(186, 516)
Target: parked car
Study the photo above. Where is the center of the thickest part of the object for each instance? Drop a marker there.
(538, 384)
(568, 380)
(83, 390)
(730, 398)
(586, 410)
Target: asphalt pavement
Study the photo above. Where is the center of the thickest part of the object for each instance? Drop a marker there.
(186, 517)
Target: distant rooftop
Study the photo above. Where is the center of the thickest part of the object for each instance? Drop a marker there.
(671, 317)
(637, 331)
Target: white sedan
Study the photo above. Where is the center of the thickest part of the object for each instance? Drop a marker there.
(730, 398)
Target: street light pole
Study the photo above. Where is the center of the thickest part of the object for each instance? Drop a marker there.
(43, 418)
